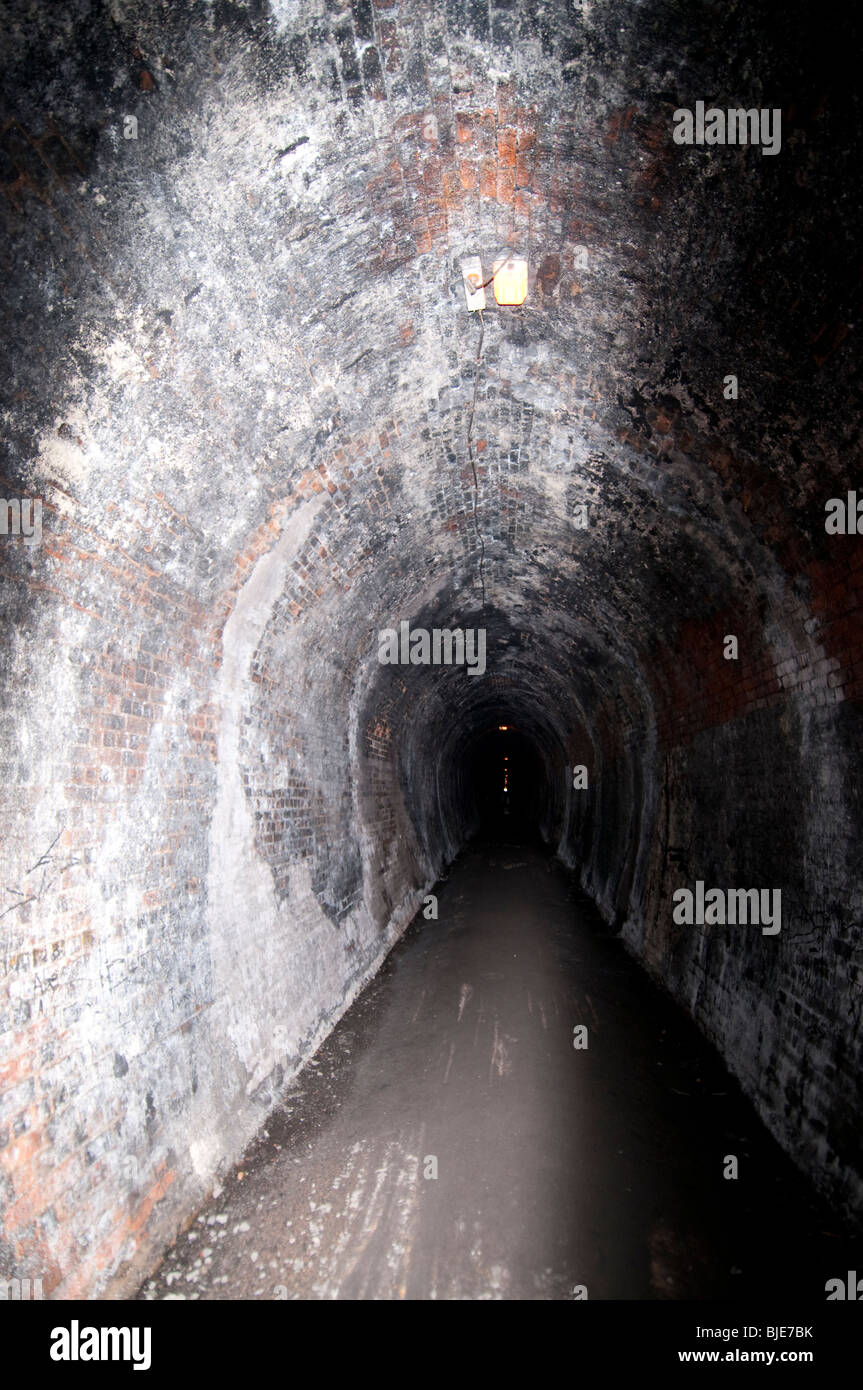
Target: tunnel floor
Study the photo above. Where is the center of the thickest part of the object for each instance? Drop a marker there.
(556, 1167)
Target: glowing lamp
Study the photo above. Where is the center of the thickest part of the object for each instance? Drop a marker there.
(510, 280)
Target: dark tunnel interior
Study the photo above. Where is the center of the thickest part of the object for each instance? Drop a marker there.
(337, 584)
(506, 783)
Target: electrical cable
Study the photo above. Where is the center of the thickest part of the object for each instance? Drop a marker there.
(470, 454)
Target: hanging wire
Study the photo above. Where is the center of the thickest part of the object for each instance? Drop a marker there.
(470, 453)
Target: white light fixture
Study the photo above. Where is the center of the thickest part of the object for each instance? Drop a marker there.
(471, 269)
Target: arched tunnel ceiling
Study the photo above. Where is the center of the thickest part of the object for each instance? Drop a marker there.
(267, 303)
(242, 377)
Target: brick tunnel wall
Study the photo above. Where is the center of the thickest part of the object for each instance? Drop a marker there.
(748, 781)
(243, 381)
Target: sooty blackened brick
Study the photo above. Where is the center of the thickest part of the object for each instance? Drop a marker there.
(242, 378)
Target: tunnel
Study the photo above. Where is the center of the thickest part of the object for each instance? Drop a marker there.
(324, 584)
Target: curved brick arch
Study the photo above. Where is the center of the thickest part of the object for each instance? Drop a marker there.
(242, 378)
